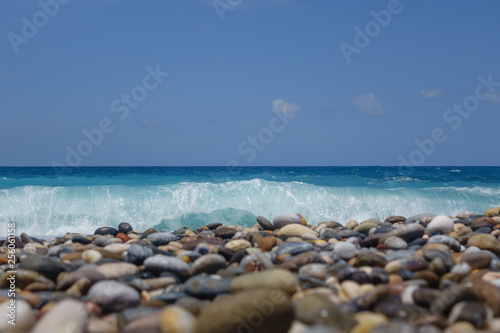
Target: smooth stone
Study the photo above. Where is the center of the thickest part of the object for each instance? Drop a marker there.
(257, 261)
(192, 255)
(282, 220)
(68, 315)
(93, 275)
(259, 311)
(117, 248)
(379, 276)
(295, 262)
(430, 254)
(485, 242)
(407, 232)
(171, 297)
(225, 232)
(483, 230)
(192, 304)
(383, 229)
(146, 324)
(366, 226)
(161, 238)
(265, 223)
(30, 248)
(204, 248)
(329, 224)
(115, 270)
(294, 248)
(476, 260)
(347, 272)
(125, 228)
(424, 296)
(238, 244)
(488, 293)
(102, 241)
(106, 231)
(47, 266)
(351, 224)
(347, 233)
(369, 259)
(465, 214)
(56, 250)
(80, 239)
(393, 266)
(349, 290)
(345, 250)
(176, 319)
(160, 282)
(136, 254)
(402, 254)
(207, 287)
(462, 268)
(424, 217)
(25, 318)
(396, 243)
(209, 263)
(91, 256)
(135, 282)
(160, 263)
(318, 309)
(371, 240)
(295, 230)
(113, 296)
(492, 211)
(482, 222)
(270, 279)
(367, 321)
(267, 243)
(440, 222)
(449, 297)
(475, 313)
(124, 237)
(317, 271)
(452, 243)
(430, 277)
(460, 327)
(25, 278)
(131, 314)
(395, 219)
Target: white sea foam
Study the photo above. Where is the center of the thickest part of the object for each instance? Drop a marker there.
(45, 210)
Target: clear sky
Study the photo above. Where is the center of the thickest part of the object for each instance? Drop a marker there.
(249, 82)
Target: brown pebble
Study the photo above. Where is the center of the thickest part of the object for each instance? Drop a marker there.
(267, 243)
(123, 237)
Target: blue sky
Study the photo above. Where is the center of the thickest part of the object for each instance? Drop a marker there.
(249, 82)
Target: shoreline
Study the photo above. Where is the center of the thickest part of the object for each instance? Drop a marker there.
(424, 273)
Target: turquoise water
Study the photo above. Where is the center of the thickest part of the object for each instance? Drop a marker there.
(47, 201)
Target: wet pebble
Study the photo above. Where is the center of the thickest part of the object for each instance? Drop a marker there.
(269, 311)
(161, 263)
(209, 263)
(113, 296)
(282, 220)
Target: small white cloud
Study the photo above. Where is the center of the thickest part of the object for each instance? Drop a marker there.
(429, 94)
(495, 98)
(368, 105)
(288, 109)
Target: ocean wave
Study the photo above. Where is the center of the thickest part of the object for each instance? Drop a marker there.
(49, 210)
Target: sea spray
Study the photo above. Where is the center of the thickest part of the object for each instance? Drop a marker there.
(51, 210)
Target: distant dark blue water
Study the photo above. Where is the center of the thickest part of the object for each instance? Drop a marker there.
(47, 201)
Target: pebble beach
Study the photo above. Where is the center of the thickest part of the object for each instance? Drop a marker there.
(422, 273)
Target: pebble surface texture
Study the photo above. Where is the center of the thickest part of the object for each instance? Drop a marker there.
(422, 273)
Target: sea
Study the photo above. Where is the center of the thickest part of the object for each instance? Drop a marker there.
(49, 201)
